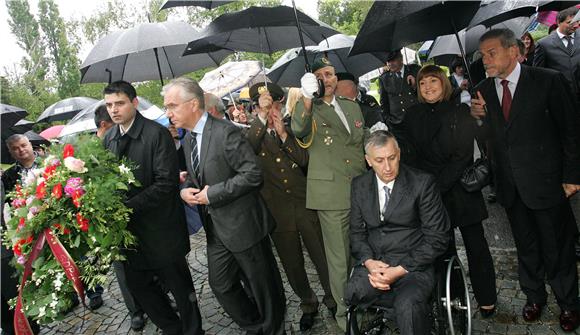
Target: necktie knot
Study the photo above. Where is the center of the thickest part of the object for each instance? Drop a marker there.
(505, 83)
(399, 75)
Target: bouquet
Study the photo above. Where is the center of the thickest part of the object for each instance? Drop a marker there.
(73, 203)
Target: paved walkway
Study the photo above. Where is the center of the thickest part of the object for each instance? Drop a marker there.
(112, 317)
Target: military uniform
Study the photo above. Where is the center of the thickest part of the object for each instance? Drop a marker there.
(336, 157)
(371, 110)
(396, 94)
(284, 191)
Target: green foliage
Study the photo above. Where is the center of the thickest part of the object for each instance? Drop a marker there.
(345, 15)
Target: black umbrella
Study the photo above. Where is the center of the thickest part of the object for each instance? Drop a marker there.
(259, 29)
(10, 115)
(146, 52)
(65, 109)
(205, 4)
(390, 25)
(500, 11)
(556, 5)
(289, 68)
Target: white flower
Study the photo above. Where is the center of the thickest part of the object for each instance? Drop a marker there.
(124, 169)
(131, 180)
(29, 216)
(93, 239)
(37, 172)
(30, 179)
(53, 304)
(41, 311)
(6, 212)
(75, 165)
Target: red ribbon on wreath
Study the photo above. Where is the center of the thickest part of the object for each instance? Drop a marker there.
(21, 325)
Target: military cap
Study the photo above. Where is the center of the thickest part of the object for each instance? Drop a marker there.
(391, 55)
(346, 76)
(275, 91)
(321, 62)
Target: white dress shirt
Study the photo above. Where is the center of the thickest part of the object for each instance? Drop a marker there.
(565, 40)
(339, 112)
(381, 190)
(513, 79)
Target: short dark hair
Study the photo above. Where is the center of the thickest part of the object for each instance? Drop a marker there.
(121, 86)
(101, 114)
(564, 14)
(457, 61)
(506, 37)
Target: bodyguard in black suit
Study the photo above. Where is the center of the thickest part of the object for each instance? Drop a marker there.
(533, 127)
(224, 179)
(158, 219)
(398, 228)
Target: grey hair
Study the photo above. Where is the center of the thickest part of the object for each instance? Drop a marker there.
(190, 89)
(211, 100)
(379, 139)
(15, 138)
(506, 37)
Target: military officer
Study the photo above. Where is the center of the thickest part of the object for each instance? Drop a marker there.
(347, 87)
(398, 89)
(332, 128)
(284, 191)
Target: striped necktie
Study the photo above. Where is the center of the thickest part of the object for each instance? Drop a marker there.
(194, 155)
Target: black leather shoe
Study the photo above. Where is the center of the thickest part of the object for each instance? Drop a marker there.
(95, 302)
(307, 321)
(137, 321)
(487, 312)
(532, 311)
(569, 320)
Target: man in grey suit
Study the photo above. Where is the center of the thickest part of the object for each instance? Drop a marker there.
(560, 50)
(224, 180)
(398, 228)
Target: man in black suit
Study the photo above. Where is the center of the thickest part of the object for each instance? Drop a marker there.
(158, 219)
(533, 126)
(560, 50)
(398, 228)
(224, 178)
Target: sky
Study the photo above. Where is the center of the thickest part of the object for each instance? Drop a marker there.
(12, 53)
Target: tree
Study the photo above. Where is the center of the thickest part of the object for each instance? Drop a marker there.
(62, 53)
(344, 15)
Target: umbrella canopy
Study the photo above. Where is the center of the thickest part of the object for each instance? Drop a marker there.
(84, 121)
(259, 29)
(10, 115)
(65, 109)
(500, 11)
(390, 25)
(556, 5)
(205, 4)
(148, 51)
(52, 132)
(230, 77)
(447, 45)
(289, 68)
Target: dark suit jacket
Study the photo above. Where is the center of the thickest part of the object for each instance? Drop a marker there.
(396, 94)
(538, 149)
(239, 216)
(416, 227)
(158, 219)
(551, 53)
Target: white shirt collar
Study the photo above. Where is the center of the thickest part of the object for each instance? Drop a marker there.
(381, 185)
(198, 129)
(125, 131)
(513, 77)
(561, 36)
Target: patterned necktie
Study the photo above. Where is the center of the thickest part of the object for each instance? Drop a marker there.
(506, 101)
(387, 197)
(399, 75)
(194, 155)
(570, 46)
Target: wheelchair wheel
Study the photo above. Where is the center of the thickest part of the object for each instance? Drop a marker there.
(372, 322)
(455, 300)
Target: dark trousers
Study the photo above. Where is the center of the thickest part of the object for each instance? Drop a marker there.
(256, 268)
(481, 269)
(9, 290)
(545, 244)
(132, 305)
(148, 293)
(410, 296)
(291, 256)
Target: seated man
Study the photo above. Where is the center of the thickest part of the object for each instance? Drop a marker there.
(398, 228)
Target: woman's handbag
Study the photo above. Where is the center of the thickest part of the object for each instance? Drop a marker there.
(478, 175)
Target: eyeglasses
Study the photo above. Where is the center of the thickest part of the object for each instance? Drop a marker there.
(172, 107)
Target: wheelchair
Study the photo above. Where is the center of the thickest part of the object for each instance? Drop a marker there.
(451, 306)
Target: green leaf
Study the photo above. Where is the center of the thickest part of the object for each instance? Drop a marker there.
(121, 186)
(77, 241)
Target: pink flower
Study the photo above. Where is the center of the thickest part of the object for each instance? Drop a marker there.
(21, 259)
(74, 186)
(18, 202)
(75, 165)
(34, 210)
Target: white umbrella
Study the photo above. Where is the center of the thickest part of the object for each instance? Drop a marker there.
(230, 77)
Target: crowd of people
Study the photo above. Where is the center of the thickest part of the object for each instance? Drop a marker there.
(373, 191)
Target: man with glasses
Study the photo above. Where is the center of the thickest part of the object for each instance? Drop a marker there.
(332, 128)
(224, 180)
(158, 217)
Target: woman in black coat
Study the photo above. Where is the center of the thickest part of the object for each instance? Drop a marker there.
(441, 131)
